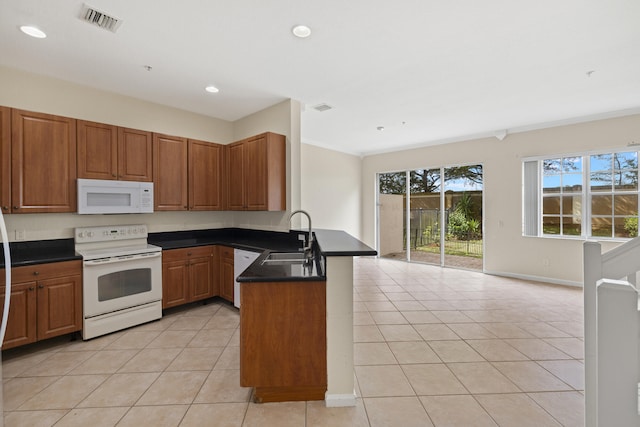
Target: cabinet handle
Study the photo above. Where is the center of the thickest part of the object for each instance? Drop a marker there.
(31, 288)
(6, 208)
(36, 273)
(114, 175)
(188, 253)
(15, 207)
(40, 286)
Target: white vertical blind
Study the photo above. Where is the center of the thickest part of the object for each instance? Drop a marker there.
(530, 198)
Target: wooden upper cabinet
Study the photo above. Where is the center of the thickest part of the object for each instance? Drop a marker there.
(235, 191)
(170, 173)
(135, 154)
(97, 150)
(43, 162)
(5, 159)
(256, 173)
(205, 176)
(111, 152)
(256, 180)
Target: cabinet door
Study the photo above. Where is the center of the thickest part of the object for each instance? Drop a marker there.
(170, 173)
(5, 159)
(43, 167)
(255, 152)
(201, 273)
(205, 173)
(21, 324)
(97, 150)
(59, 306)
(135, 154)
(235, 176)
(175, 283)
(227, 279)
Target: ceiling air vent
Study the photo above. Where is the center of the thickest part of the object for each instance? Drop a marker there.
(101, 19)
(322, 107)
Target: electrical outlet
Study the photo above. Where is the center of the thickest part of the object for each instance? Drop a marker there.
(21, 235)
(302, 237)
(545, 262)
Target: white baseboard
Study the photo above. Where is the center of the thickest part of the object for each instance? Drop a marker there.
(339, 400)
(536, 278)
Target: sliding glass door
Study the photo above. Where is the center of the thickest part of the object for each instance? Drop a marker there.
(442, 221)
(425, 215)
(463, 217)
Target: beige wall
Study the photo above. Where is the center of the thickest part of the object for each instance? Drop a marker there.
(391, 211)
(43, 94)
(37, 93)
(506, 250)
(331, 189)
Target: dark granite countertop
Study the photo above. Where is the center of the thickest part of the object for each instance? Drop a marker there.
(328, 243)
(40, 252)
(240, 238)
(284, 272)
(340, 243)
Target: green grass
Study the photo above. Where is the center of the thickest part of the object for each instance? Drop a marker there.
(470, 248)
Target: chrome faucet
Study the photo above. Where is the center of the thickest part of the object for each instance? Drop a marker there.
(309, 246)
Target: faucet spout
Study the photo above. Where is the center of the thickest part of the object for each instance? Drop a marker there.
(308, 247)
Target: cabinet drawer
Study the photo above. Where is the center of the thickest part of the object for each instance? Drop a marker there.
(226, 252)
(43, 271)
(187, 253)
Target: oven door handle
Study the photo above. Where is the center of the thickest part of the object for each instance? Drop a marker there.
(122, 258)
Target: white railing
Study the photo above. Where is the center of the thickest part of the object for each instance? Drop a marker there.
(611, 336)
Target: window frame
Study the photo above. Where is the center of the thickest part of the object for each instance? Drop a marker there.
(533, 196)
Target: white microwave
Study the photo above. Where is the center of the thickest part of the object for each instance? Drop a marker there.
(101, 196)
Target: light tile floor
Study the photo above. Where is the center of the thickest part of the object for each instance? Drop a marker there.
(432, 346)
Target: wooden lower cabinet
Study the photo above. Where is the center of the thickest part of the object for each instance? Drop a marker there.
(283, 344)
(227, 277)
(188, 275)
(46, 301)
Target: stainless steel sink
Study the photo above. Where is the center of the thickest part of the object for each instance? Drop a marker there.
(284, 258)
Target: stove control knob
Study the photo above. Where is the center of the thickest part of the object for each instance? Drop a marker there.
(81, 234)
(90, 233)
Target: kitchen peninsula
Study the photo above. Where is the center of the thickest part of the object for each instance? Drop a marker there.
(334, 252)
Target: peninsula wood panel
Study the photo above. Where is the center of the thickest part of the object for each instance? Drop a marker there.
(283, 336)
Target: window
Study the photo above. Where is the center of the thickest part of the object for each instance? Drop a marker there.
(582, 195)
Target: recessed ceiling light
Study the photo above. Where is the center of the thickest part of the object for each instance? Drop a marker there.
(380, 128)
(212, 89)
(33, 31)
(301, 31)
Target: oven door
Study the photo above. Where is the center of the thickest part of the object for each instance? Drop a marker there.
(121, 282)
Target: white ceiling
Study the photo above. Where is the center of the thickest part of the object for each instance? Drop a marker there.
(427, 71)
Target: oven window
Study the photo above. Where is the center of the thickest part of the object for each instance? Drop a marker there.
(123, 283)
